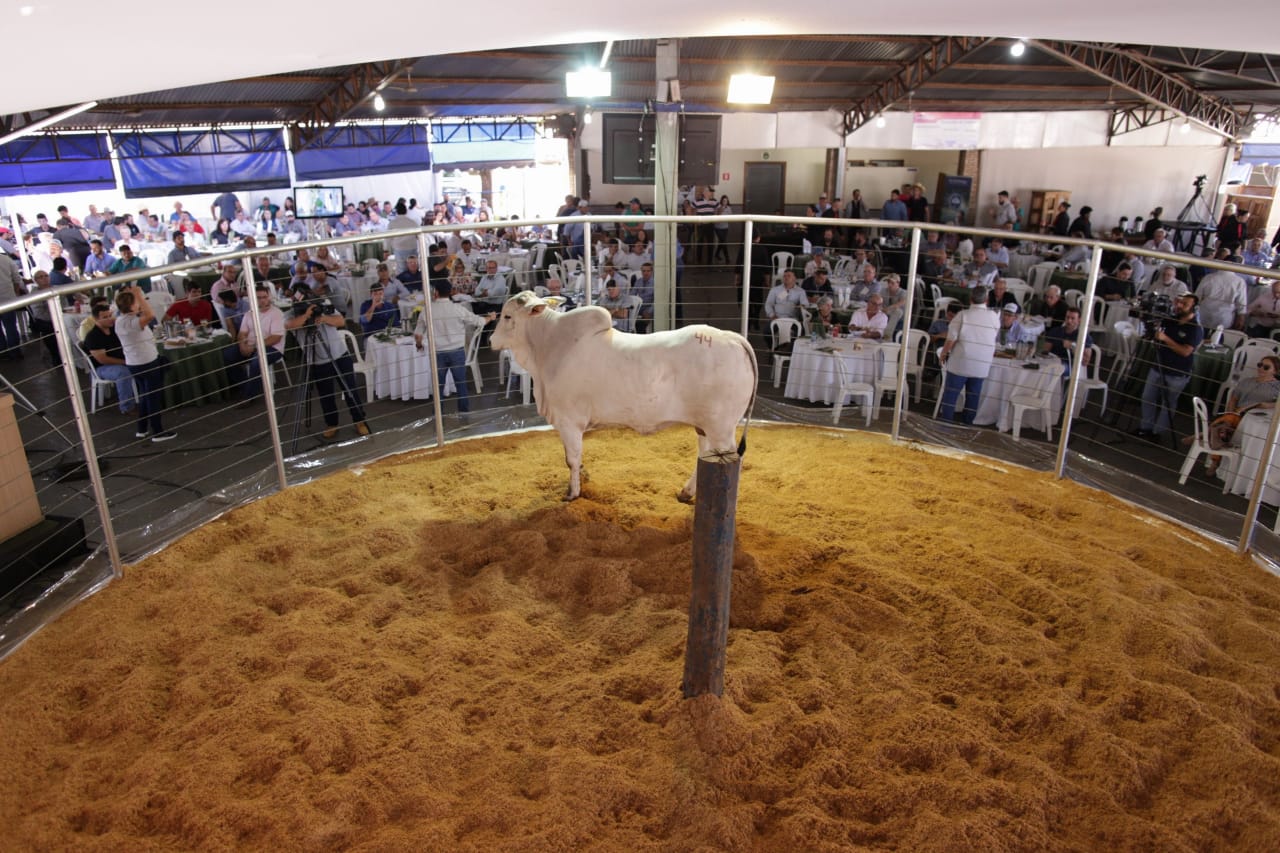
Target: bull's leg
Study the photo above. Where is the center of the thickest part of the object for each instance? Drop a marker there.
(571, 438)
(689, 492)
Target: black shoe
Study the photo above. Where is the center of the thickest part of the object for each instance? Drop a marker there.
(164, 436)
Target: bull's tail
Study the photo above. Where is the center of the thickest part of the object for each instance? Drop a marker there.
(755, 388)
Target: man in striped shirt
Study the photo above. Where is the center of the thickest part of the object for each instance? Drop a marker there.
(704, 205)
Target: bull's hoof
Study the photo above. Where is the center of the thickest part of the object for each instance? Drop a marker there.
(568, 496)
(684, 497)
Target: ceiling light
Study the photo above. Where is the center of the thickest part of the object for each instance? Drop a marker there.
(1186, 126)
(586, 117)
(25, 11)
(378, 103)
(588, 83)
(1018, 48)
(880, 121)
(750, 89)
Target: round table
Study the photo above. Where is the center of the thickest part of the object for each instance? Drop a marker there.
(197, 373)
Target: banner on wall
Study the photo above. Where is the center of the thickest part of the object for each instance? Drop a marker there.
(945, 131)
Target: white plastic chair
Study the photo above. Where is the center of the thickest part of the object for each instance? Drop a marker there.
(942, 387)
(940, 307)
(781, 331)
(918, 347)
(1038, 398)
(633, 312)
(364, 368)
(841, 269)
(886, 382)
(505, 360)
(571, 266)
(1020, 289)
(806, 320)
(1073, 297)
(1233, 338)
(473, 358)
(1200, 444)
(782, 261)
(863, 391)
(1126, 336)
(1090, 381)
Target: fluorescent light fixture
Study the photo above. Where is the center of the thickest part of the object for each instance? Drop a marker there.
(586, 117)
(588, 83)
(1018, 48)
(48, 120)
(879, 121)
(378, 103)
(1186, 126)
(750, 89)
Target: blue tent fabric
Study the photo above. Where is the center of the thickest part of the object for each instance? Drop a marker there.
(355, 150)
(1260, 152)
(48, 164)
(164, 163)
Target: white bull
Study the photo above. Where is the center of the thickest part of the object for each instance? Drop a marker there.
(586, 374)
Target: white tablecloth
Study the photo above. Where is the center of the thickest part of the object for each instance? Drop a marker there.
(1250, 440)
(400, 372)
(812, 375)
(1008, 377)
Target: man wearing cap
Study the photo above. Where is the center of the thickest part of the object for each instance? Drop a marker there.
(1062, 341)
(1176, 343)
(1004, 214)
(1011, 332)
(918, 205)
(1082, 223)
(967, 355)
(618, 305)
(817, 262)
(289, 224)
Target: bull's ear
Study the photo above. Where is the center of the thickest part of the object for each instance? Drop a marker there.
(537, 309)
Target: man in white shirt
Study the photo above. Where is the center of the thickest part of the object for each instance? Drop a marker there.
(1139, 268)
(785, 299)
(491, 291)
(1167, 283)
(1158, 242)
(1223, 299)
(819, 262)
(967, 355)
(870, 321)
(449, 324)
(242, 225)
(1264, 311)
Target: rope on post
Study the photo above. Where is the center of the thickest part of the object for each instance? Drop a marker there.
(714, 521)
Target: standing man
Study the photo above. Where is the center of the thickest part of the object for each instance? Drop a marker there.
(918, 205)
(146, 365)
(894, 210)
(10, 288)
(857, 209)
(1175, 354)
(225, 206)
(1004, 214)
(1223, 299)
(1082, 223)
(327, 355)
(449, 324)
(967, 355)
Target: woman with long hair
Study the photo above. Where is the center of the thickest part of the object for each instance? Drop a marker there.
(222, 235)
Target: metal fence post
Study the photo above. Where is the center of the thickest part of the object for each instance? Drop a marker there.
(1077, 363)
(86, 434)
(268, 378)
(748, 234)
(1259, 480)
(429, 293)
(899, 402)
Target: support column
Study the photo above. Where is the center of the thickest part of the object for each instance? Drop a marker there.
(666, 191)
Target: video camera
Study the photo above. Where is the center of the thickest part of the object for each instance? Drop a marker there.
(303, 298)
(1154, 310)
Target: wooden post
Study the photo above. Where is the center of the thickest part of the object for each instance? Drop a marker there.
(713, 533)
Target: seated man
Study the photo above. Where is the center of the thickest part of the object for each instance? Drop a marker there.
(933, 267)
(1139, 267)
(555, 289)
(816, 286)
(326, 259)
(411, 276)
(1050, 306)
(99, 262)
(195, 307)
(871, 321)
(866, 286)
(618, 306)
(1167, 283)
(1264, 311)
(242, 225)
(263, 273)
(128, 261)
(610, 273)
(491, 290)
(1075, 256)
(1159, 242)
(1117, 286)
(980, 270)
(998, 254)
(859, 262)
(229, 280)
(825, 315)
(376, 313)
(1000, 295)
(107, 353)
(819, 262)
(181, 251)
(785, 299)
(1176, 344)
(1011, 332)
(231, 309)
(1062, 341)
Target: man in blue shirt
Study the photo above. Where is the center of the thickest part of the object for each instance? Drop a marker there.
(1176, 344)
(894, 210)
(98, 262)
(376, 314)
(225, 206)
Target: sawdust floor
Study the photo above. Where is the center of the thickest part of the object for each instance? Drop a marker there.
(434, 653)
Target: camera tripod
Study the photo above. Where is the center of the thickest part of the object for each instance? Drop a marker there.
(313, 342)
(1195, 211)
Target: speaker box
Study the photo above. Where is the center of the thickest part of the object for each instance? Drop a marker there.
(49, 544)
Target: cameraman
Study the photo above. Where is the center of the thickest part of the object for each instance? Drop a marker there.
(315, 324)
(1176, 341)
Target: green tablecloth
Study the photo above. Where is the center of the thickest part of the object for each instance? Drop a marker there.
(196, 373)
(1069, 280)
(1209, 370)
(372, 251)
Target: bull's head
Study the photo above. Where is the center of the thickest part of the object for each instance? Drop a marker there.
(516, 310)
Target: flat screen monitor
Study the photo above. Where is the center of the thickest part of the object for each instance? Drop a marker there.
(318, 202)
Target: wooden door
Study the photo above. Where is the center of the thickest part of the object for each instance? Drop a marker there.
(764, 188)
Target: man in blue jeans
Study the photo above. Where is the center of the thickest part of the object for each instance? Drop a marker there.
(1176, 344)
(449, 324)
(967, 355)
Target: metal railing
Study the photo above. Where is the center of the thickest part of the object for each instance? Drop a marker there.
(135, 496)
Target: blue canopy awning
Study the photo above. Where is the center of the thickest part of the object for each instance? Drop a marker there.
(49, 164)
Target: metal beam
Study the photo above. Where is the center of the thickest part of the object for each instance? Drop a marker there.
(344, 97)
(937, 55)
(1138, 75)
(1271, 81)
